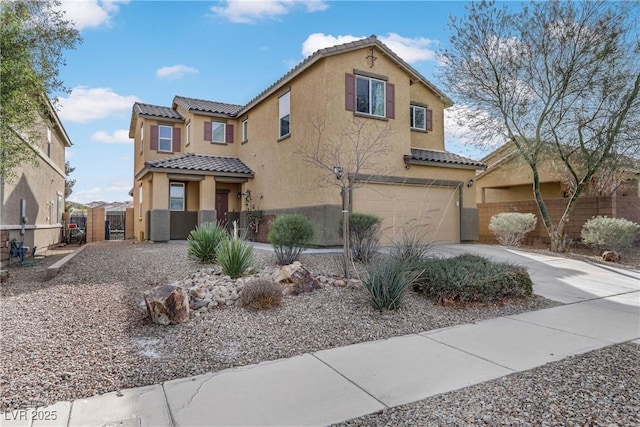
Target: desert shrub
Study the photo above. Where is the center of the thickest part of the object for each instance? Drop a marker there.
(364, 235)
(289, 234)
(235, 257)
(610, 233)
(387, 283)
(408, 248)
(472, 278)
(261, 294)
(510, 228)
(204, 240)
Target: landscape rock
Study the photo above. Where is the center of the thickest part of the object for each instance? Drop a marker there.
(611, 256)
(295, 279)
(167, 304)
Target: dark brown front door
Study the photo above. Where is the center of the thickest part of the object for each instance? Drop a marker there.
(222, 206)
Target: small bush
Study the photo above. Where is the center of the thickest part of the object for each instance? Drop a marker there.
(510, 228)
(289, 234)
(470, 278)
(261, 294)
(235, 257)
(364, 235)
(204, 240)
(409, 248)
(387, 283)
(610, 233)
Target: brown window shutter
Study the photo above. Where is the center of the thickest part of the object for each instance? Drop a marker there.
(229, 134)
(176, 139)
(207, 131)
(429, 120)
(349, 92)
(391, 101)
(153, 138)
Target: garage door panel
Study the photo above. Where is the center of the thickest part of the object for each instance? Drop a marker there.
(427, 212)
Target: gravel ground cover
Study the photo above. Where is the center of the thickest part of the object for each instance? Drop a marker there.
(86, 332)
(600, 388)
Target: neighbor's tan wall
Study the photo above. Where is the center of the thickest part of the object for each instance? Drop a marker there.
(95, 224)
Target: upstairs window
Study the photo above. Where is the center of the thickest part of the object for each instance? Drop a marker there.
(218, 132)
(370, 96)
(176, 196)
(418, 117)
(285, 114)
(245, 130)
(165, 141)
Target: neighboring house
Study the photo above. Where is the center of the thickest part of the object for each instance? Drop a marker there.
(507, 186)
(37, 191)
(197, 160)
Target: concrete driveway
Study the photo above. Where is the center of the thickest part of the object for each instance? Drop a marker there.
(562, 279)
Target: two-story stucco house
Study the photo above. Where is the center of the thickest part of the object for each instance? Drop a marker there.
(33, 200)
(196, 160)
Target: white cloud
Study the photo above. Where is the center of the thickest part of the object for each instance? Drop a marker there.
(457, 123)
(250, 11)
(410, 49)
(91, 13)
(120, 136)
(175, 71)
(69, 154)
(87, 104)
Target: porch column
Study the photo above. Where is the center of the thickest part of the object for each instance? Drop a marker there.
(207, 207)
(159, 215)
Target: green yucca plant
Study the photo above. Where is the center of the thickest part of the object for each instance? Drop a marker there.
(235, 257)
(204, 240)
(388, 281)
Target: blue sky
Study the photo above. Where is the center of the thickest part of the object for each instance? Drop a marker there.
(227, 51)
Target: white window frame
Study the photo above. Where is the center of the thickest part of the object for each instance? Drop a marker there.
(142, 137)
(245, 130)
(188, 130)
(215, 124)
(140, 201)
(59, 207)
(176, 185)
(412, 117)
(48, 141)
(284, 114)
(160, 139)
(371, 81)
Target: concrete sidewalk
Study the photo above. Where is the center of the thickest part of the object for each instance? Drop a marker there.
(342, 383)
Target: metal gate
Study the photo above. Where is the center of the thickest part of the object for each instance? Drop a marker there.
(114, 225)
(77, 228)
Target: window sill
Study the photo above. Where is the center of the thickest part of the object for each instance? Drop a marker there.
(419, 130)
(370, 116)
(218, 143)
(282, 138)
(165, 152)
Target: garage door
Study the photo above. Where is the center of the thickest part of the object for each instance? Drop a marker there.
(428, 212)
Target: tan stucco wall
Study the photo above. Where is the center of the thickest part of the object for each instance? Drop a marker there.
(40, 186)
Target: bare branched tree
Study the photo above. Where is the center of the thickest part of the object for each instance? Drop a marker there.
(558, 76)
(358, 149)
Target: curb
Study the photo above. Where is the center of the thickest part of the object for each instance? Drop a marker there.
(54, 268)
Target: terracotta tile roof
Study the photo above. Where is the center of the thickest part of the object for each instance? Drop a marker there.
(192, 104)
(442, 157)
(156, 111)
(201, 162)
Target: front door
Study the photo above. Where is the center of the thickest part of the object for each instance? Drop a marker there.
(222, 206)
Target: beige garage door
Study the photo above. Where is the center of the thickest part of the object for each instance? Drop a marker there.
(428, 212)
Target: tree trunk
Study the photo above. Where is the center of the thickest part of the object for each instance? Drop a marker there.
(345, 233)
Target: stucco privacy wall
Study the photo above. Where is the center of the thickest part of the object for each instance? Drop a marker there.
(627, 207)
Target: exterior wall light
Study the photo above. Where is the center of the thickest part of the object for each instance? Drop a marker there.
(337, 170)
(470, 183)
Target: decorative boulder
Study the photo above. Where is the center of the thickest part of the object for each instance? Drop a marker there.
(611, 256)
(167, 304)
(295, 279)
